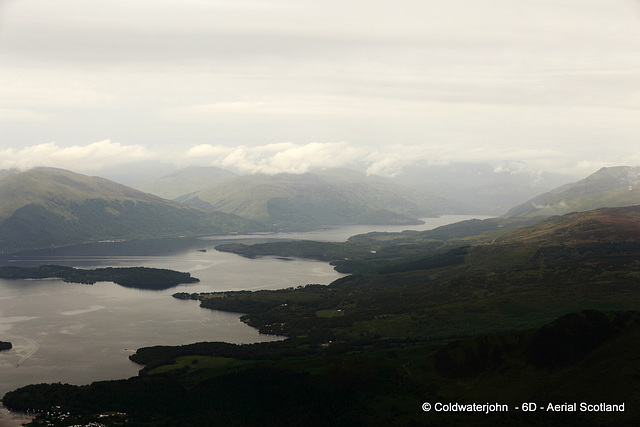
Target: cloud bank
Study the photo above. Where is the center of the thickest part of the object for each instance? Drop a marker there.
(495, 76)
(87, 158)
(283, 157)
(287, 157)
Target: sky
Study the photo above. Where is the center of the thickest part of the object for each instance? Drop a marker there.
(287, 86)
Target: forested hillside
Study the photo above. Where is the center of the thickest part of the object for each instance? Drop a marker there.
(547, 313)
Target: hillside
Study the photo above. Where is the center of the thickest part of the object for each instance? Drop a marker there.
(598, 225)
(51, 207)
(185, 181)
(608, 187)
(544, 314)
(321, 198)
(526, 277)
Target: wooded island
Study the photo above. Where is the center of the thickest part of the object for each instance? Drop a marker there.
(131, 277)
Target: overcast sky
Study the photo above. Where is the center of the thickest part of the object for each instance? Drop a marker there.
(287, 85)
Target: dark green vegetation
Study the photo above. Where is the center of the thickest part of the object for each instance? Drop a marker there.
(328, 197)
(545, 313)
(131, 277)
(581, 357)
(520, 278)
(52, 207)
(5, 345)
(373, 252)
(609, 187)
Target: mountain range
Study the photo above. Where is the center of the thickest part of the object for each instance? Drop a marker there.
(47, 207)
(323, 197)
(475, 188)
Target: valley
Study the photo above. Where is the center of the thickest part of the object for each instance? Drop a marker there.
(493, 312)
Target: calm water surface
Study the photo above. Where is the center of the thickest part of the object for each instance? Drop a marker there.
(73, 333)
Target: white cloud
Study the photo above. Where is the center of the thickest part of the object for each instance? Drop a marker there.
(389, 160)
(550, 83)
(284, 157)
(288, 157)
(86, 158)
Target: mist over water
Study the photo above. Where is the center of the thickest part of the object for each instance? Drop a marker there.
(74, 333)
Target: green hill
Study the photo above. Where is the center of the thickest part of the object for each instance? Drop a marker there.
(601, 225)
(526, 275)
(51, 207)
(329, 197)
(186, 181)
(608, 187)
(545, 314)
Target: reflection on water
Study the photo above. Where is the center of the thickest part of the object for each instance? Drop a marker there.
(68, 332)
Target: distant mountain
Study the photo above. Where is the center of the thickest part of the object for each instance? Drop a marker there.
(49, 207)
(185, 181)
(608, 187)
(324, 197)
(490, 190)
(133, 173)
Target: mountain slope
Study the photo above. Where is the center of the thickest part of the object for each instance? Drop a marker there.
(608, 187)
(329, 197)
(603, 225)
(186, 181)
(51, 207)
(487, 245)
(528, 276)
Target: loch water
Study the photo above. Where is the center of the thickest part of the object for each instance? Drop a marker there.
(74, 333)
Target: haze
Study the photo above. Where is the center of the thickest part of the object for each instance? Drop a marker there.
(287, 86)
